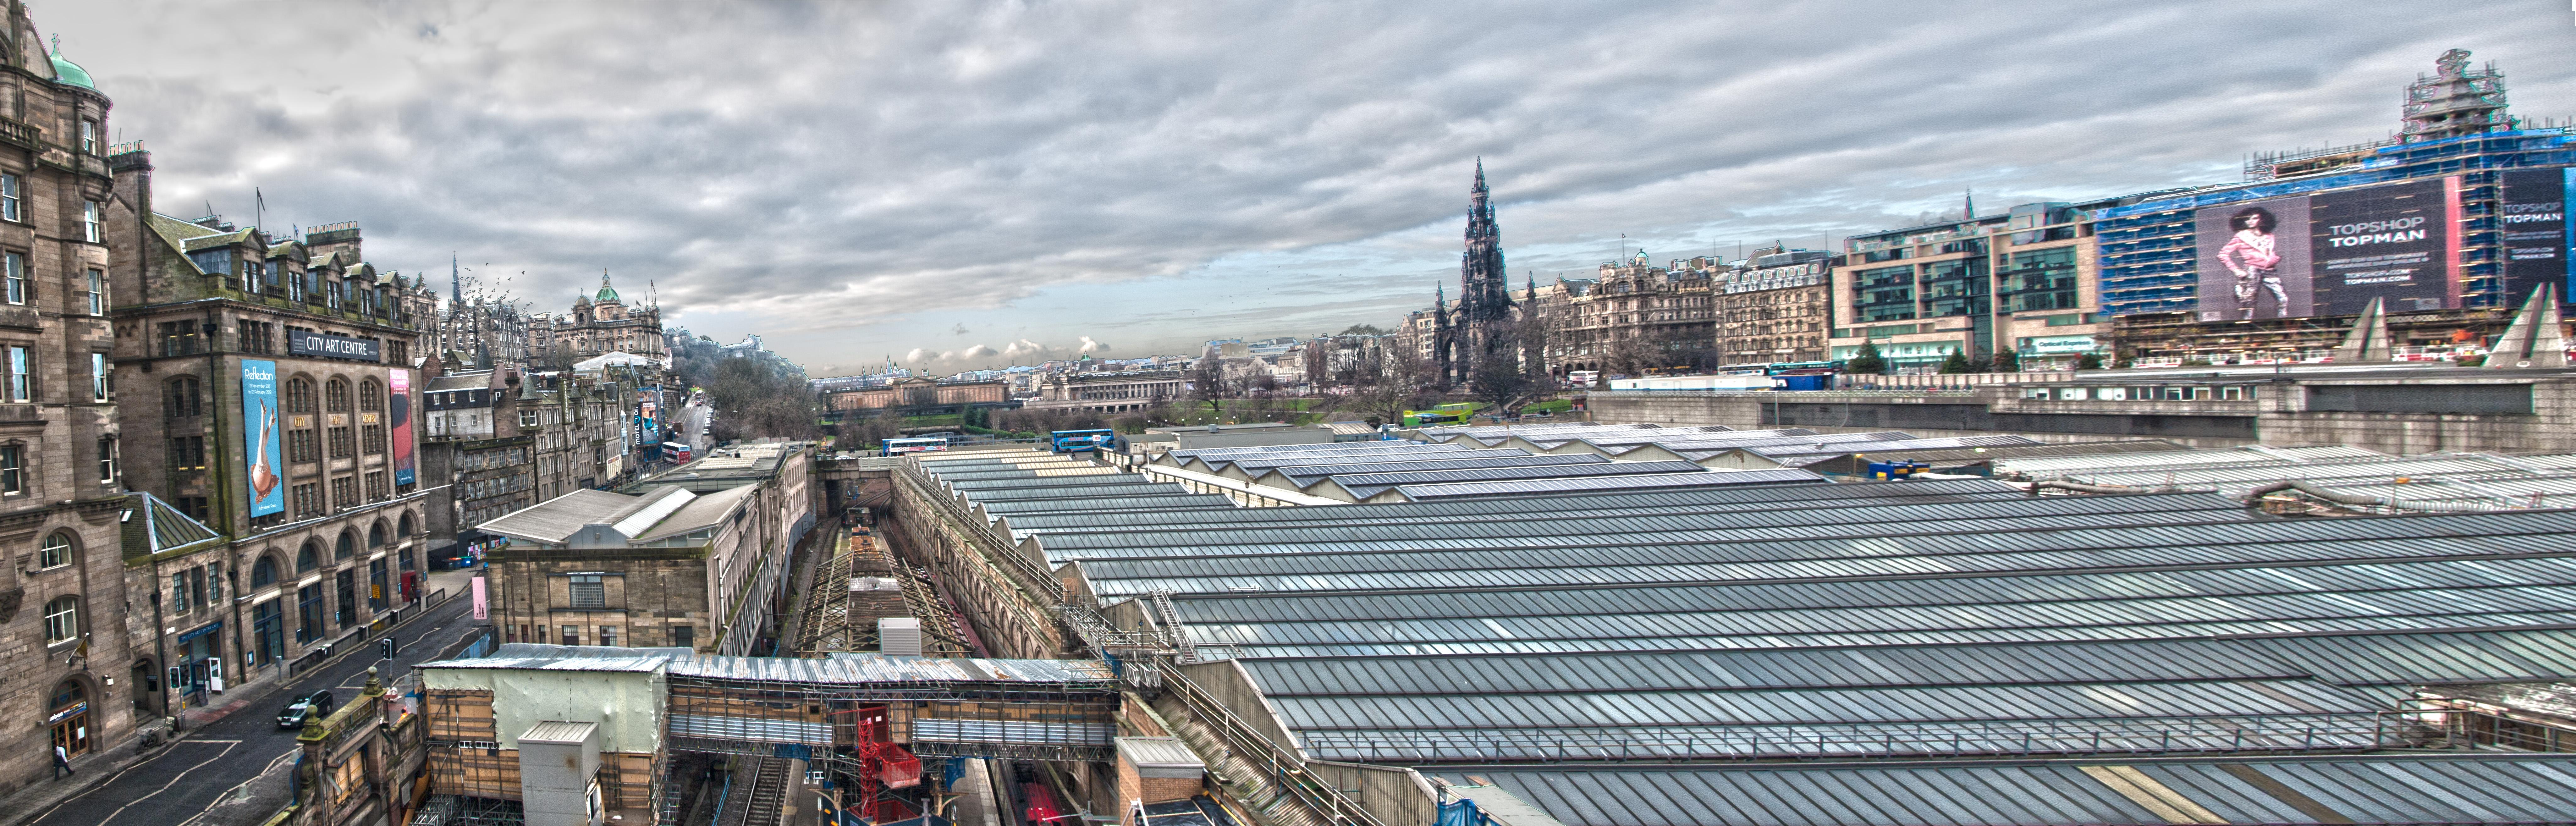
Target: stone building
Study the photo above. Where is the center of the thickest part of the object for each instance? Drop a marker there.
(580, 426)
(1776, 308)
(472, 440)
(695, 557)
(61, 491)
(598, 323)
(1116, 391)
(485, 334)
(1472, 331)
(268, 395)
(1638, 316)
(915, 396)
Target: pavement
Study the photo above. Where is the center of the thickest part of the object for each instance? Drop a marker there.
(232, 765)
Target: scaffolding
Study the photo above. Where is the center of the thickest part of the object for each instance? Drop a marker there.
(869, 721)
(2293, 340)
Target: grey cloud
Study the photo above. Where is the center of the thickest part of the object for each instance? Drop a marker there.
(824, 168)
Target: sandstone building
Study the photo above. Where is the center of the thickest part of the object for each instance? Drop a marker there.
(268, 395)
(61, 471)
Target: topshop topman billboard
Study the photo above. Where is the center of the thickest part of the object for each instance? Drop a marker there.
(2536, 212)
(2331, 253)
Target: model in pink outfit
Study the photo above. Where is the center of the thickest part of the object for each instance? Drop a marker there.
(2255, 257)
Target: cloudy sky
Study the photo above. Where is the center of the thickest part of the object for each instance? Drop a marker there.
(1015, 181)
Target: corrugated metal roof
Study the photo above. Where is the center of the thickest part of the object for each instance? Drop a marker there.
(1307, 475)
(559, 731)
(1528, 487)
(1364, 485)
(2044, 467)
(2415, 788)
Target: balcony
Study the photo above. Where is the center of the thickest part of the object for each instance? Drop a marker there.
(22, 134)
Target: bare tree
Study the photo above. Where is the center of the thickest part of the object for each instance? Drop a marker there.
(1209, 383)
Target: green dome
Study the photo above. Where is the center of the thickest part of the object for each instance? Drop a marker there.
(69, 73)
(606, 293)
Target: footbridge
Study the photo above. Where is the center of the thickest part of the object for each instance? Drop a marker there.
(866, 719)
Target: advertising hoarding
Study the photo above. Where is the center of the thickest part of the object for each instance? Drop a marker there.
(2330, 253)
(261, 437)
(406, 465)
(2538, 234)
(648, 416)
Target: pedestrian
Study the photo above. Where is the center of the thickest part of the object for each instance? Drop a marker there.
(62, 762)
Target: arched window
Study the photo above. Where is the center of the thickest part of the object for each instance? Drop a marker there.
(376, 535)
(57, 551)
(307, 559)
(62, 619)
(299, 395)
(348, 545)
(371, 395)
(180, 397)
(263, 572)
(405, 529)
(335, 396)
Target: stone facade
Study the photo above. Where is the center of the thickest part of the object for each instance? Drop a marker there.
(260, 378)
(1775, 309)
(1638, 316)
(600, 323)
(649, 593)
(1109, 392)
(60, 474)
(917, 397)
(728, 587)
(484, 334)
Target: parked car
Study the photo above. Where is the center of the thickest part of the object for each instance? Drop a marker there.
(305, 707)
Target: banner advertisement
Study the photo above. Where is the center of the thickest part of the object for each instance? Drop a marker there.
(2329, 253)
(2537, 232)
(482, 609)
(648, 416)
(261, 437)
(405, 465)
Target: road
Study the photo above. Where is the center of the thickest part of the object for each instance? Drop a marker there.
(234, 770)
(693, 422)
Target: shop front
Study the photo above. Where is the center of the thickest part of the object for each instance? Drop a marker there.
(70, 718)
(199, 671)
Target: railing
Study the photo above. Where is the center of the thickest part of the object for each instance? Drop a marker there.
(1286, 770)
(2341, 732)
(947, 503)
(23, 134)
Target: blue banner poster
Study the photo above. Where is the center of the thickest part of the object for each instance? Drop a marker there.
(260, 436)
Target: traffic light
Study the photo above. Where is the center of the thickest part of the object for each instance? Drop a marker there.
(387, 647)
